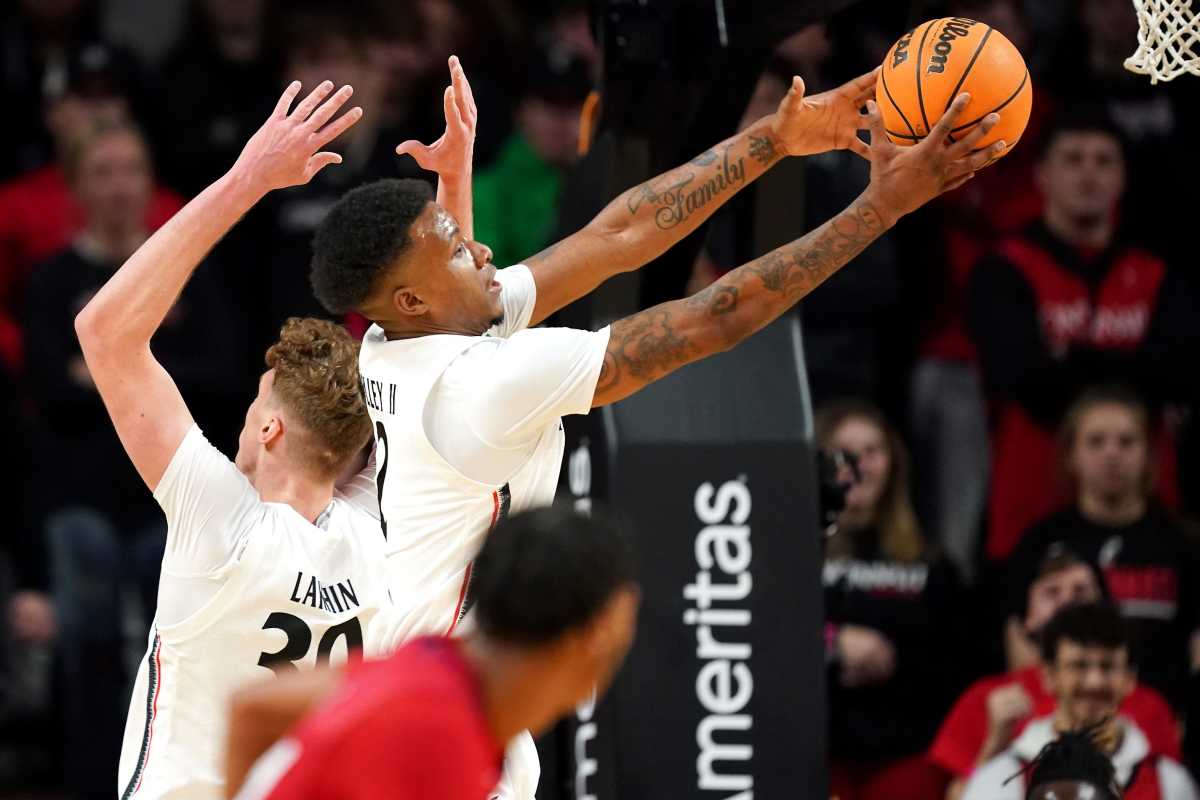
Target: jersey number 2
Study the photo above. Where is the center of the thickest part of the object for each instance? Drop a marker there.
(381, 473)
(299, 637)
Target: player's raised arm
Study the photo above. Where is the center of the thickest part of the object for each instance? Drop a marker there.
(451, 155)
(653, 343)
(115, 328)
(644, 222)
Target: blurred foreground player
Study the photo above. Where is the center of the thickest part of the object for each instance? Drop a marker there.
(555, 615)
(268, 567)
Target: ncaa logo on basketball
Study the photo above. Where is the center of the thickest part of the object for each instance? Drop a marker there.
(956, 28)
(901, 54)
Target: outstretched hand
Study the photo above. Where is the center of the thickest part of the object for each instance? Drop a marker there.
(905, 178)
(451, 154)
(826, 121)
(286, 150)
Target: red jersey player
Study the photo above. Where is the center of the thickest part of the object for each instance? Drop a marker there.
(556, 610)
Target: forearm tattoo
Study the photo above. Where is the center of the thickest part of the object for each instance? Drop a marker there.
(652, 343)
(709, 177)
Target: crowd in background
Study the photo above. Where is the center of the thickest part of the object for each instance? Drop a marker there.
(1009, 368)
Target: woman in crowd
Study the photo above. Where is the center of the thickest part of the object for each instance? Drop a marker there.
(888, 602)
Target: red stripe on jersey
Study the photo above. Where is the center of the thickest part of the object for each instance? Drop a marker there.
(466, 584)
(495, 510)
(462, 595)
(154, 709)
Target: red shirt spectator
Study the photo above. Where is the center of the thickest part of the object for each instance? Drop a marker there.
(39, 217)
(408, 727)
(960, 740)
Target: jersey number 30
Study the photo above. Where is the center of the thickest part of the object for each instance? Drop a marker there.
(299, 638)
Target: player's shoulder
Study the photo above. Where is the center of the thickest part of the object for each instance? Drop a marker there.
(1174, 779)
(425, 673)
(990, 781)
(352, 520)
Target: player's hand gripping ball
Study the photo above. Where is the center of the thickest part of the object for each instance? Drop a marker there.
(942, 58)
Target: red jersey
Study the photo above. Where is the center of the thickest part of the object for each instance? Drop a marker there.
(410, 726)
(958, 743)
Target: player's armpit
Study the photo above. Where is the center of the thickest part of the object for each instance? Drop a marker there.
(146, 408)
(652, 344)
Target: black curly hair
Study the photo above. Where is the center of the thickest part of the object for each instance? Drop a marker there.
(361, 236)
(1073, 757)
(543, 573)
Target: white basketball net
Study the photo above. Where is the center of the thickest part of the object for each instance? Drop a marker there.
(1168, 40)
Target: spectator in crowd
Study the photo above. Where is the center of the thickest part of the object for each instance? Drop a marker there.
(1064, 305)
(888, 602)
(1088, 670)
(321, 42)
(1157, 120)
(995, 709)
(105, 535)
(534, 159)
(1072, 768)
(39, 215)
(1149, 564)
(947, 413)
(27, 620)
(37, 39)
(219, 83)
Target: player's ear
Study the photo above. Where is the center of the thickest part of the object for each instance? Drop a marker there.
(408, 302)
(270, 431)
(613, 628)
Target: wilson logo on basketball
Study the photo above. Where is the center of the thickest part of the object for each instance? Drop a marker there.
(956, 28)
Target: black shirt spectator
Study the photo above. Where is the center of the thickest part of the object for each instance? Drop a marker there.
(79, 459)
(219, 82)
(889, 606)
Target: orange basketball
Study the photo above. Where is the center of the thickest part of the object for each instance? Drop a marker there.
(939, 60)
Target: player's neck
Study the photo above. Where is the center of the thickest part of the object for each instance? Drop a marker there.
(513, 686)
(308, 496)
(1091, 233)
(396, 325)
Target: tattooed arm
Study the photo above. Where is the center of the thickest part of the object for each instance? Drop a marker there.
(651, 344)
(644, 222)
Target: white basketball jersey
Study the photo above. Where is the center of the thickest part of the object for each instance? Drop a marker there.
(294, 595)
(435, 518)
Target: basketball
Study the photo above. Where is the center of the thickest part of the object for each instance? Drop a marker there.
(942, 58)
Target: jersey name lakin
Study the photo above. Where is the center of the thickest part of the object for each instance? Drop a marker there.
(336, 597)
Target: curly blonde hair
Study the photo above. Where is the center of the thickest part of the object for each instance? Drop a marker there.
(316, 378)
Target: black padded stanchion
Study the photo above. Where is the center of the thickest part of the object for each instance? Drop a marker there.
(722, 696)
